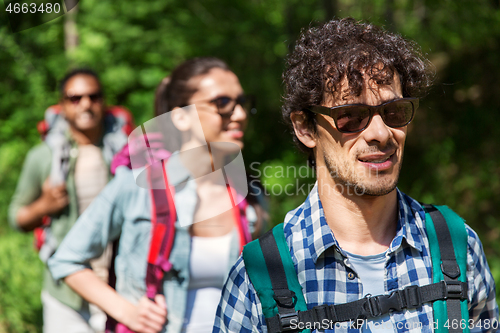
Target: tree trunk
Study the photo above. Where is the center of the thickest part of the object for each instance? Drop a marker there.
(331, 9)
(70, 30)
(389, 15)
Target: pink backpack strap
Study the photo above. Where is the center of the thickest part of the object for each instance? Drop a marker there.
(122, 158)
(163, 217)
(239, 214)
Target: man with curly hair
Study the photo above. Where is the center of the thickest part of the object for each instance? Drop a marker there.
(351, 90)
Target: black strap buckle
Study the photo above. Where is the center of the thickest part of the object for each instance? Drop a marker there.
(380, 305)
(450, 268)
(455, 290)
(392, 302)
(286, 321)
(285, 298)
(322, 312)
(371, 306)
(412, 296)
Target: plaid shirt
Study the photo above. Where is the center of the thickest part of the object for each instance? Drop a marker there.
(327, 277)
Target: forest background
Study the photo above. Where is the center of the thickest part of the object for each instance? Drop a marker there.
(452, 151)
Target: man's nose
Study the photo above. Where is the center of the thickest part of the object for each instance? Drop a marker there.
(85, 101)
(377, 130)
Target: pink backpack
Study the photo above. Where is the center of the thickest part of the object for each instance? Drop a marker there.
(163, 218)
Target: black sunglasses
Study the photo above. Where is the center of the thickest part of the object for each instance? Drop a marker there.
(226, 105)
(353, 118)
(75, 99)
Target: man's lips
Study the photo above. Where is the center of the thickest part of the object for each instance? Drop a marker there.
(86, 115)
(378, 161)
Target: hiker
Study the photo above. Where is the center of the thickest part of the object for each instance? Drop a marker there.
(209, 114)
(59, 179)
(356, 255)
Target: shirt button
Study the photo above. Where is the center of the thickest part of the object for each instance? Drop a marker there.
(351, 276)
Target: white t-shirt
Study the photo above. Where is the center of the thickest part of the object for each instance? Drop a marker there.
(371, 272)
(208, 265)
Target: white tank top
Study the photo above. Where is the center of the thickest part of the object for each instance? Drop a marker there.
(209, 261)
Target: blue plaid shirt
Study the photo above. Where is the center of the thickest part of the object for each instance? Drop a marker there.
(327, 277)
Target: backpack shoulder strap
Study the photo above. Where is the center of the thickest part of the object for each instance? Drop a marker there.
(51, 115)
(163, 217)
(272, 273)
(124, 114)
(448, 245)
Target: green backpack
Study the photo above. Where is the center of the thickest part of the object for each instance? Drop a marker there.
(272, 273)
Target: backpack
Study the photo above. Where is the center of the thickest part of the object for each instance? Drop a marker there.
(118, 125)
(272, 273)
(163, 218)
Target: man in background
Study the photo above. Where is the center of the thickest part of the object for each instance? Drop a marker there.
(59, 179)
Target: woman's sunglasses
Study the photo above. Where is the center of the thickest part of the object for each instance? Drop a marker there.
(353, 118)
(75, 99)
(226, 105)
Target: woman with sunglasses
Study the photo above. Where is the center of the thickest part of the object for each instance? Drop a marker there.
(212, 221)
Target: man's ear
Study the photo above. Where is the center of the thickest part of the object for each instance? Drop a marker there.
(303, 132)
(181, 119)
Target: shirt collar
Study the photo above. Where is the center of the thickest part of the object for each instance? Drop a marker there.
(410, 223)
(319, 237)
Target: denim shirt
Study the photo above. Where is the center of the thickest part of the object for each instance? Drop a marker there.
(123, 210)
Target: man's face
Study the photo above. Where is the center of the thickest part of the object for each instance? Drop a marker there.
(368, 162)
(82, 104)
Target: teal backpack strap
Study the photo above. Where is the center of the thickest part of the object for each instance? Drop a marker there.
(272, 273)
(274, 278)
(448, 245)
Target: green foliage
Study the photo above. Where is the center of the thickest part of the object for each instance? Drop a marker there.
(20, 272)
(286, 182)
(452, 153)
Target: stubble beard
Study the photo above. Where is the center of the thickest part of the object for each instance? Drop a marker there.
(345, 176)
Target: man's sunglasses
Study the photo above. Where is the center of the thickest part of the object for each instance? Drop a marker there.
(353, 118)
(226, 105)
(75, 99)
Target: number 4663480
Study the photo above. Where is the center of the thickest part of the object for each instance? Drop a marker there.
(32, 8)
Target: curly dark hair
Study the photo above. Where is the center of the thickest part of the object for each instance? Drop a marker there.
(345, 49)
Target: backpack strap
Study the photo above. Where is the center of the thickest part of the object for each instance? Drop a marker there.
(448, 245)
(121, 112)
(239, 215)
(272, 272)
(163, 217)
